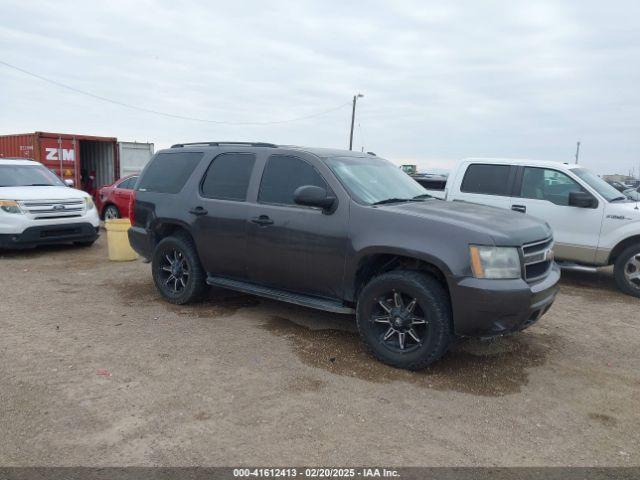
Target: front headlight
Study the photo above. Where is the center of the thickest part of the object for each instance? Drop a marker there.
(495, 262)
(10, 206)
(88, 201)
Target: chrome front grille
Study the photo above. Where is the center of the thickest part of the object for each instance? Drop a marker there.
(47, 209)
(538, 259)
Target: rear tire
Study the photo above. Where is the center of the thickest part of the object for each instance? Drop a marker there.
(177, 272)
(627, 271)
(404, 319)
(110, 212)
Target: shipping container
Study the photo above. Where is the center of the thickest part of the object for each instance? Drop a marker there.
(134, 157)
(88, 161)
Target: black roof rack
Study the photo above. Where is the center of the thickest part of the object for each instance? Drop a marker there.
(217, 144)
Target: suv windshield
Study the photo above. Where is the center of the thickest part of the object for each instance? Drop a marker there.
(599, 185)
(27, 176)
(374, 180)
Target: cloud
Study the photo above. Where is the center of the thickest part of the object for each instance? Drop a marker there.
(441, 81)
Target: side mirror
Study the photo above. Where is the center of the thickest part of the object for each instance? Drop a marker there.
(582, 200)
(68, 182)
(312, 196)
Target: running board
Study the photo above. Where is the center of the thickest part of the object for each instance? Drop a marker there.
(574, 267)
(283, 296)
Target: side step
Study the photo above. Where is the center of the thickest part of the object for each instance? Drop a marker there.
(283, 296)
(575, 267)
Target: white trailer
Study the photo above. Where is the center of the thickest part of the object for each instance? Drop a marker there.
(133, 157)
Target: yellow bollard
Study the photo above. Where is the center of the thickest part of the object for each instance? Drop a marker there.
(118, 241)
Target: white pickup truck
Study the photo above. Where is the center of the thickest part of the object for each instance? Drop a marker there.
(37, 208)
(594, 224)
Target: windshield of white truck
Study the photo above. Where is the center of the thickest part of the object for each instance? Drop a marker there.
(609, 193)
(28, 176)
(375, 180)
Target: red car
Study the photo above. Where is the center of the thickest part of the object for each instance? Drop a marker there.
(113, 200)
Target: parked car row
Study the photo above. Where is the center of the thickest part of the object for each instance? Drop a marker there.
(349, 232)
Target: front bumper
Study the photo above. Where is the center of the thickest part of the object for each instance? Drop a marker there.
(496, 307)
(50, 234)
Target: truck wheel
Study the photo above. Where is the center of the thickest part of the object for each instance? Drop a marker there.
(111, 212)
(404, 319)
(627, 271)
(177, 272)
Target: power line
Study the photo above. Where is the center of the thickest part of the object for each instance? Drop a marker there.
(165, 114)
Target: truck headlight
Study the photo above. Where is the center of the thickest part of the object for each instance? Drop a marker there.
(88, 202)
(495, 262)
(10, 206)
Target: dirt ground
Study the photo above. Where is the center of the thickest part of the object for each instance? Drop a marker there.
(96, 370)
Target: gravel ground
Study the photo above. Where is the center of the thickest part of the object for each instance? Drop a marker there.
(96, 370)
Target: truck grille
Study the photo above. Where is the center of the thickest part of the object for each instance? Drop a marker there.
(49, 209)
(538, 258)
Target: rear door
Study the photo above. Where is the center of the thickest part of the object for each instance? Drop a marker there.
(544, 193)
(292, 247)
(220, 214)
(486, 184)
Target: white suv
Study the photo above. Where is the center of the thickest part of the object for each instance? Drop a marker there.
(37, 208)
(593, 223)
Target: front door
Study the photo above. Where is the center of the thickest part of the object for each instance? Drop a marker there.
(220, 214)
(544, 193)
(292, 247)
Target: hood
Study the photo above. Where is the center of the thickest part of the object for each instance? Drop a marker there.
(505, 227)
(40, 193)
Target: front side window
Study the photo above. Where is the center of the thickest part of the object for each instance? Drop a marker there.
(168, 172)
(283, 175)
(486, 179)
(27, 176)
(228, 176)
(128, 184)
(548, 184)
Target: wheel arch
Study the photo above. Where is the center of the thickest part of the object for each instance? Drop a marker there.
(621, 247)
(374, 263)
(161, 229)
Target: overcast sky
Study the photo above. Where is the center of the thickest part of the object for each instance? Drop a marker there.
(441, 80)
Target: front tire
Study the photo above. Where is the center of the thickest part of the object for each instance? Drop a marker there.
(404, 319)
(627, 271)
(177, 272)
(111, 212)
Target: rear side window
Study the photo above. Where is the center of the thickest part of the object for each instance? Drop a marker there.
(228, 176)
(283, 175)
(486, 179)
(169, 172)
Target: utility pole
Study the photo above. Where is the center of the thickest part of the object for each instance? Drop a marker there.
(577, 152)
(353, 118)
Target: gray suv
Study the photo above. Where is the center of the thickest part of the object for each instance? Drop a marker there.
(344, 232)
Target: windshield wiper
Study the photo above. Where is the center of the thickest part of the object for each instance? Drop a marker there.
(39, 185)
(422, 196)
(391, 200)
(618, 198)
